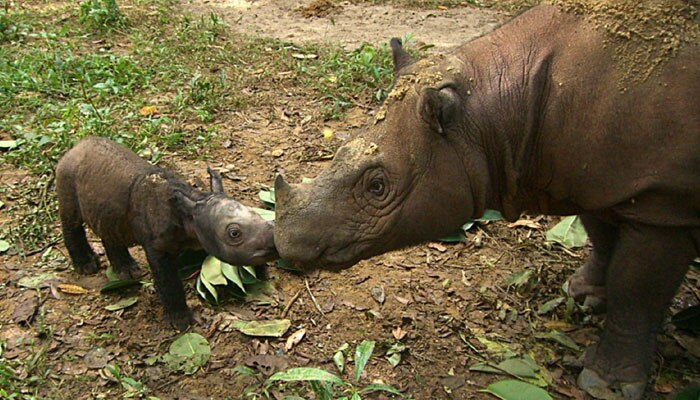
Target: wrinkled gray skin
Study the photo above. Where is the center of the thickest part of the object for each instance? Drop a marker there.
(529, 117)
(126, 201)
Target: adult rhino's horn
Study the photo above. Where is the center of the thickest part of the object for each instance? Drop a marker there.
(281, 188)
(401, 58)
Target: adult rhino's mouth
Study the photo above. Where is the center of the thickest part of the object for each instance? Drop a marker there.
(330, 258)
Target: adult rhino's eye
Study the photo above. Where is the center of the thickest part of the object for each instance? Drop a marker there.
(376, 186)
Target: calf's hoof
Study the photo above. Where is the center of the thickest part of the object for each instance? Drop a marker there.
(89, 267)
(599, 388)
(180, 321)
(592, 296)
(130, 272)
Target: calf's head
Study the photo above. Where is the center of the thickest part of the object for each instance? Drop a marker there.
(225, 228)
(400, 181)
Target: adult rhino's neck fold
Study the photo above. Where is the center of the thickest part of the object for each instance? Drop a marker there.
(506, 104)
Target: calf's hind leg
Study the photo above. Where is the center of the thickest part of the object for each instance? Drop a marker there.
(645, 270)
(587, 284)
(84, 258)
(122, 263)
(169, 287)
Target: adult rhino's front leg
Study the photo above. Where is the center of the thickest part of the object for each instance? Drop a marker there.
(587, 284)
(646, 268)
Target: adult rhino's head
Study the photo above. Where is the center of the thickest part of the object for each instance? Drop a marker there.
(225, 228)
(401, 181)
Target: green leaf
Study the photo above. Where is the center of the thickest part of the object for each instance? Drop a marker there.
(355, 396)
(560, 338)
(4, 246)
(304, 374)
(518, 367)
(458, 236)
(378, 387)
(688, 318)
(397, 347)
(490, 215)
(210, 289)
(267, 215)
(270, 328)
(188, 353)
(518, 279)
(247, 277)
(569, 232)
(394, 359)
(549, 306)
(35, 281)
(267, 197)
(8, 144)
(516, 390)
(122, 304)
(339, 361)
(285, 265)
(231, 273)
(115, 285)
(211, 271)
(362, 354)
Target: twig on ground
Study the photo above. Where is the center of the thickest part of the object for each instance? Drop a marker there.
(308, 289)
(291, 301)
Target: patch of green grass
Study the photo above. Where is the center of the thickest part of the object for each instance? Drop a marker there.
(101, 15)
(22, 379)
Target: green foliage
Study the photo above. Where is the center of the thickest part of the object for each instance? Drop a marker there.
(569, 232)
(188, 353)
(343, 78)
(516, 390)
(329, 386)
(101, 15)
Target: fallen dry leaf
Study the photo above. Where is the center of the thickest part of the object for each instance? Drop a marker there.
(147, 111)
(71, 289)
(294, 339)
(398, 333)
(25, 310)
(527, 223)
(437, 246)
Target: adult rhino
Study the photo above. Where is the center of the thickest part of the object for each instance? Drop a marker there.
(541, 115)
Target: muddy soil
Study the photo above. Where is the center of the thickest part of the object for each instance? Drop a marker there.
(441, 300)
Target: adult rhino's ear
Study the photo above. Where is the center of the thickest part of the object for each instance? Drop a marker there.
(438, 107)
(217, 186)
(401, 58)
(183, 205)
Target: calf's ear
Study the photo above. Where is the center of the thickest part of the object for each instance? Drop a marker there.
(438, 107)
(401, 58)
(217, 186)
(183, 205)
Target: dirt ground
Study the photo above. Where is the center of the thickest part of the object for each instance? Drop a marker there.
(444, 297)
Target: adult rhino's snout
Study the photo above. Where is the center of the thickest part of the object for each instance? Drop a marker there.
(292, 229)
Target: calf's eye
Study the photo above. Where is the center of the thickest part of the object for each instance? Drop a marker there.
(234, 232)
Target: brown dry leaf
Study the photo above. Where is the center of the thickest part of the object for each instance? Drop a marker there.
(71, 289)
(527, 223)
(25, 310)
(294, 339)
(147, 111)
(402, 300)
(560, 325)
(398, 333)
(443, 8)
(437, 246)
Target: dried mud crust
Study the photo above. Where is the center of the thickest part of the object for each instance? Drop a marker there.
(644, 33)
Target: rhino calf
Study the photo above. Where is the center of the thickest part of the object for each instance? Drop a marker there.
(126, 201)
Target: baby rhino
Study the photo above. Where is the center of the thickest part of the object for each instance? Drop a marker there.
(127, 201)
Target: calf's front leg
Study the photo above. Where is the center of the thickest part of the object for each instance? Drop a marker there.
(169, 287)
(646, 268)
